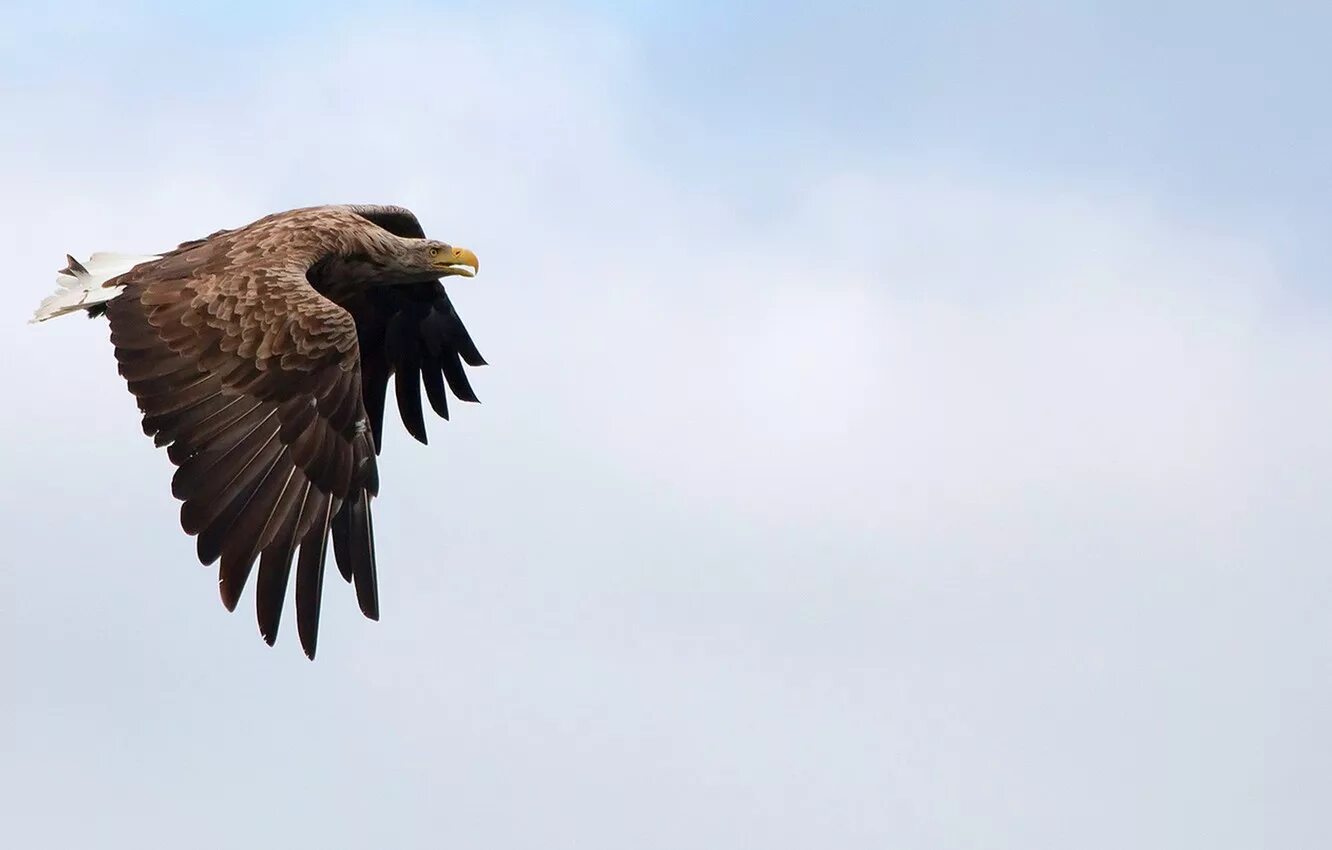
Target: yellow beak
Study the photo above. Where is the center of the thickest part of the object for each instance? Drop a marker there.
(461, 262)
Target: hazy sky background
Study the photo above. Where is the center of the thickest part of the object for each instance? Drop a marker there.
(908, 427)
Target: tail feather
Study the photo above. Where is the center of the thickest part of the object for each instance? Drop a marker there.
(82, 286)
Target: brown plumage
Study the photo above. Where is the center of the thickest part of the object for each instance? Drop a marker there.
(260, 357)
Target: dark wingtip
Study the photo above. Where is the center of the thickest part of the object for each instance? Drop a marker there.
(310, 578)
(433, 379)
(341, 555)
(270, 588)
(457, 379)
(358, 526)
(470, 355)
(367, 591)
(309, 635)
(230, 595)
(207, 550)
(408, 387)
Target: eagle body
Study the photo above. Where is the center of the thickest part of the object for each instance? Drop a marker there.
(260, 358)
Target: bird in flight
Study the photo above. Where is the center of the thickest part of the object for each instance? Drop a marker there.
(260, 358)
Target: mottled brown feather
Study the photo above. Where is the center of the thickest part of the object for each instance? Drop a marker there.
(252, 378)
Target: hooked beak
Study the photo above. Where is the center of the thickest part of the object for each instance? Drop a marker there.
(459, 261)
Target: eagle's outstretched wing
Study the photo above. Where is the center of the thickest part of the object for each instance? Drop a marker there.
(253, 381)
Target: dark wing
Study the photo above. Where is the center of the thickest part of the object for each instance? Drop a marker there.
(255, 389)
(410, 333)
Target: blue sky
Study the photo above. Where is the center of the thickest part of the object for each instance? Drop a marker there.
(906, 427)
(1216, 104)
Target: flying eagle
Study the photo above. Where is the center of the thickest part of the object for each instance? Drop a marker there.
(260, 357)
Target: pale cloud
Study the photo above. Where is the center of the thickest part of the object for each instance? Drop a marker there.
(929, 508)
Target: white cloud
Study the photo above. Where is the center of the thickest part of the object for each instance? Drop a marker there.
(931, 510)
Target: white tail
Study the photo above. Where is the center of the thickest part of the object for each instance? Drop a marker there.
(83, 285)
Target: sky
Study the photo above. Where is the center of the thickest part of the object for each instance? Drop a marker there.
(906, 426)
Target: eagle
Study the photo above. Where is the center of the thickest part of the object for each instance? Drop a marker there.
(260, 359)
